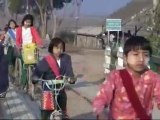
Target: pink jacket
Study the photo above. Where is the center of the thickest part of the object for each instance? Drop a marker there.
(113, 94)
(35, 35)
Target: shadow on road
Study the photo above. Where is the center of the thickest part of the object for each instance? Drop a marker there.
(90, 116)
(85, 116)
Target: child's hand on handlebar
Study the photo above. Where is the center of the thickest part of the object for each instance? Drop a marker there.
(35, 79)
(72, 80)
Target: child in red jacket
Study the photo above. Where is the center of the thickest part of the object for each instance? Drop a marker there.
(26, 34)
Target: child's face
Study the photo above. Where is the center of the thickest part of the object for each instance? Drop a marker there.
(137, 60)
(27, 23)
(12, 25)
(57, 50)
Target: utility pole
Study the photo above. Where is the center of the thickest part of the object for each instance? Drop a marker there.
(27, 7)
(155, 3)
(76, 30)
(78, 5)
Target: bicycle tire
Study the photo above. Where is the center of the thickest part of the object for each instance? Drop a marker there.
(56, 115)
(31, 87)
(18, 70)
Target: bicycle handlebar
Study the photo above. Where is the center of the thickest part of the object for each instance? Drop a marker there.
(51, 84)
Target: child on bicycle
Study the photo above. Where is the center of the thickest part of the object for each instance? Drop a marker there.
(43, 69)
(129, 93)
(26, 34)
(10, 42)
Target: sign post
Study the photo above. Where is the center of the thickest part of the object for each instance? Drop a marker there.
(111, 25)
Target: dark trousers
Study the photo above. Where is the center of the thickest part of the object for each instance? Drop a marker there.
(62, 101)
(11, 55)
(4, 83)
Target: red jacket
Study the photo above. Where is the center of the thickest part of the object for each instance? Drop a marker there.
(35, 35)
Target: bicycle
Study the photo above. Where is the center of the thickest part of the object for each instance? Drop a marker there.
(29, 87)
(57, 113)
(18, 70)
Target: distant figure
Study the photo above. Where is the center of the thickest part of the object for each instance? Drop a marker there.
(136, 30)
(129, 33)
(111, 37)
(10, 42)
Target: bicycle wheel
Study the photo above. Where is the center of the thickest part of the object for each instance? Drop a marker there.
(56, 115)
(30, 86)
(18, 70)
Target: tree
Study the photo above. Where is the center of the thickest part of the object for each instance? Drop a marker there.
(16, 7)
(157, 18)
(56, 5)
(2, 4)
(46, 8)
(2, 7)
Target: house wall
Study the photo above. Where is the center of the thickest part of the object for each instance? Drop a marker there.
(87, 41)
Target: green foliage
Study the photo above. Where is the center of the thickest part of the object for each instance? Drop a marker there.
(19, 6)
(46, 4)
(59, 4)
(16, 6)
(155, 43)
(157, 18)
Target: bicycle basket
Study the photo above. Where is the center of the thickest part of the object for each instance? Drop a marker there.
(47, 100)
(29, 53)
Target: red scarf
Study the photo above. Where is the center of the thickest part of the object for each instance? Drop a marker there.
(132, 95)
(53, 65)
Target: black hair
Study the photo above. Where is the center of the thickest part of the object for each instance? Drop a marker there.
(11, 20)
(27, 17)
(54, 43)
(137, 42)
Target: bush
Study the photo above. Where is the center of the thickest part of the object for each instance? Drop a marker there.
(155, 43)
(67, 36)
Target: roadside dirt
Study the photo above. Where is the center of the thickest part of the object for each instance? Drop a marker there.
(87, 62)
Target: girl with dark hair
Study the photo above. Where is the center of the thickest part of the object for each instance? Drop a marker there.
(10, 42)
(27, 35)
(27, 20)
(64, 65)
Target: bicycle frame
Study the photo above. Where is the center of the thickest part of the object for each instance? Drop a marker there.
(52, 86)
(28, 68)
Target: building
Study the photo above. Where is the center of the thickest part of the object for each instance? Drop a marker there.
(87, 37)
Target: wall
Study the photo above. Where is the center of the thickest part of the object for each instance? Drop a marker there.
(87, 41)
